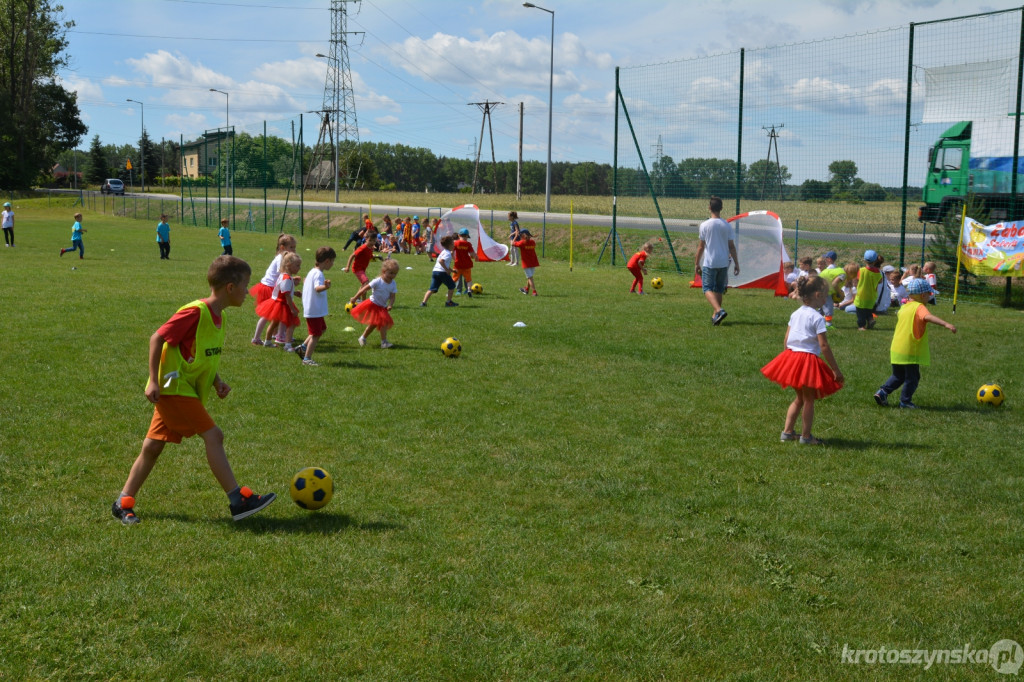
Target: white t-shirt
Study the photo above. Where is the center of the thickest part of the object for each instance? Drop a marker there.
(273, 271)
(284, 285)
(8, 218)
(932, 281)
(443, 259)
(380, 291)
(716, 235)
(804, 326)
(314, 303)
(792, 277)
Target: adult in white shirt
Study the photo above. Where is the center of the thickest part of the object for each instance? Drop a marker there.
(714, 252)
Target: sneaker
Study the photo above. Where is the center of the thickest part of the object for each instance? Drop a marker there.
(811, 441)
(125, 514)
(62, 252)
(534, 292)
(257, 342)
(386, 344)
(469, 293)
(289, 348)
(523, 290)
(362, 341)
(458, 293)
(423, 304)
(871, 323)
(310, 363)
(250, 504)
(451, 304)
(908, 405)
(788, 435)
(881, 398)
(717, 318)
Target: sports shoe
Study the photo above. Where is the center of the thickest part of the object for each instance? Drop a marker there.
(469, 293)
(257, 342)
(423, 304)
(908, 405)
(310, 363)
(788, 435)
(250, 504)
(63, 251)
(458, 293)
(362, 341)
(451, 304)
(881, 398)
(534, 292)
(811, 441)
(386, 344)
(125, 514)
(523, 290)
(871, 323)
(268, 344)
(288, 348)
(717, 318)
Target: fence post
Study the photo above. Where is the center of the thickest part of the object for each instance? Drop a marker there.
(328, 221)
(739, 137)
(906, 145)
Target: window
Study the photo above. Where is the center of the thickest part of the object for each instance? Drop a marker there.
(212, 161)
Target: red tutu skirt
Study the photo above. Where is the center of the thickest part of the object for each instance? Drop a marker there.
(261, 292)
(369, 313)
(277, 310)
(791, 369)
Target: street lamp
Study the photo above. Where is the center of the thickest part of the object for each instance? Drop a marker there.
(142, 151)
(551, 102)
(227, 128)
(334, 138)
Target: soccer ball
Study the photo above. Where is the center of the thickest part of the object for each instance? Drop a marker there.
(991, 394)
(349, 306)
(477, 288)
(312, 488)
(451, 347)
(657, 283)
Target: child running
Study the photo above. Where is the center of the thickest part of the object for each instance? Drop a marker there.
(528, 257)
(909, 349)
(184, 359)
(637, 266)
(163, 237)
(76, 238)
(463, 263)
(314, 303)
(225, 237)
(375, 311)
(800, 365)
(281, 304)
(361, 257)
(262, 290)
(442, 273)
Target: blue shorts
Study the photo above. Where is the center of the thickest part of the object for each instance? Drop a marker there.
(714, 279)
(437, 278)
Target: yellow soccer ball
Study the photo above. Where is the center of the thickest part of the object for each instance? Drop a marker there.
(657, 283)
(991, 394)
(312, 488)
(451, 347)
(349, 306)
(477, 288)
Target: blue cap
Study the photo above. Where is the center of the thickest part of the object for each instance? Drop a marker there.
(870, 256)
(831, 255)
(415, 217)
(464, 232)
(918, 285)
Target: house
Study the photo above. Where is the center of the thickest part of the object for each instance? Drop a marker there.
(200, 158)
(63, 176)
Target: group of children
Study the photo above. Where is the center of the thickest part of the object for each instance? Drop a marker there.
(867, 291)
(404, 236)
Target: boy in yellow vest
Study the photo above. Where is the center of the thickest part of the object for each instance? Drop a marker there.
(866, 298)
(909, 351)
(184, 355)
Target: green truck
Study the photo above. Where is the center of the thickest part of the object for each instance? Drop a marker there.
(954, 173)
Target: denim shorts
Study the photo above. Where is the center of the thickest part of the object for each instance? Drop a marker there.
(528, 272)
(714, 279)
(439, 277)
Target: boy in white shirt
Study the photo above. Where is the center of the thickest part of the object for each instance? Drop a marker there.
(314, 303)
(442, 273)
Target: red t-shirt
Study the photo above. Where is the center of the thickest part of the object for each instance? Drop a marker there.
(180, 330)
(363, 256)
(462, 250)
(527, 252)
(637, 261)
(368, 224)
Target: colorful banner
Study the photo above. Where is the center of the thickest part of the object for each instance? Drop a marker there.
(992, 250)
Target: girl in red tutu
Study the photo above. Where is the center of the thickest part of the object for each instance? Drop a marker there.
(800, 366)
(262, 290)
(280, 307)
(375, 310)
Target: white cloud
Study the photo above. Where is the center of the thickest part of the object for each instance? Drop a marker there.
(185, 125)
(305, 74)
(386, 120)
(85, 88)
(116, 82)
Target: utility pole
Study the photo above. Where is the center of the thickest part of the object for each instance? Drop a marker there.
(773, 137)
(486, 107)
(519, 164)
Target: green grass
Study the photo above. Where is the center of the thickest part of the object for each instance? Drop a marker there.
(601, 495)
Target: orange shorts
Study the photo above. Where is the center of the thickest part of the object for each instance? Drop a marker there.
(176, 417)
(467, 273)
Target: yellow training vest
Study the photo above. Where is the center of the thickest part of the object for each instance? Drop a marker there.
(867, 289)
(830, 273)
(193, 379)
(905, 349)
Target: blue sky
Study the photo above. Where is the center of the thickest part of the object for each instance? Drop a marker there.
(419, 63)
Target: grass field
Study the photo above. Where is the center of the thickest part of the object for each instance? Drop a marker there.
(600, 495)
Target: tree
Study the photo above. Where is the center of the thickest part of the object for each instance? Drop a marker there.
(815, 190)
(843, 174)
(38, 118)
(98, 170)
(764, 179)
(150, 155)
(871, 191)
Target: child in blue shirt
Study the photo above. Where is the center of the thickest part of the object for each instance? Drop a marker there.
(225, 237)
(163, 237)
(76, 238)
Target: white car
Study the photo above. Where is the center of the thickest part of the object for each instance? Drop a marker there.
(112, 186)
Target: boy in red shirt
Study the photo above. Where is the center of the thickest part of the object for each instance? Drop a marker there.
(360, 258)
(463, 263)
(528, 257)
(637, 265)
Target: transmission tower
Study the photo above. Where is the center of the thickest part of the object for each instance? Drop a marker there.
(773, 137)
(339, 126)
(486, 107)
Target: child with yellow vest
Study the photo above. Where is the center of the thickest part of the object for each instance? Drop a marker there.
(909, 350)
(866, 298)
(184, 356)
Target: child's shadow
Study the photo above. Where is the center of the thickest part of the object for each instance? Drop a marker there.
(857, 444)
(320, 523)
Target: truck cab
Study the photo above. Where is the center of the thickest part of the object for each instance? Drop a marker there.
(948, 180)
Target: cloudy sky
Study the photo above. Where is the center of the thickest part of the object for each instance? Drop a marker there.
(418, 64)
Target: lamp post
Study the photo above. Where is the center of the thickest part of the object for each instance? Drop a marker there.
(551, 102)
(227, 128)
(334, 134)
(142, 151)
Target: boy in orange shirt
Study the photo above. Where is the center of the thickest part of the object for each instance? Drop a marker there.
(463, 263)
(528, 257)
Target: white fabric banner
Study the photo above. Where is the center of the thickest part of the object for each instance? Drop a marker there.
(970, 92)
